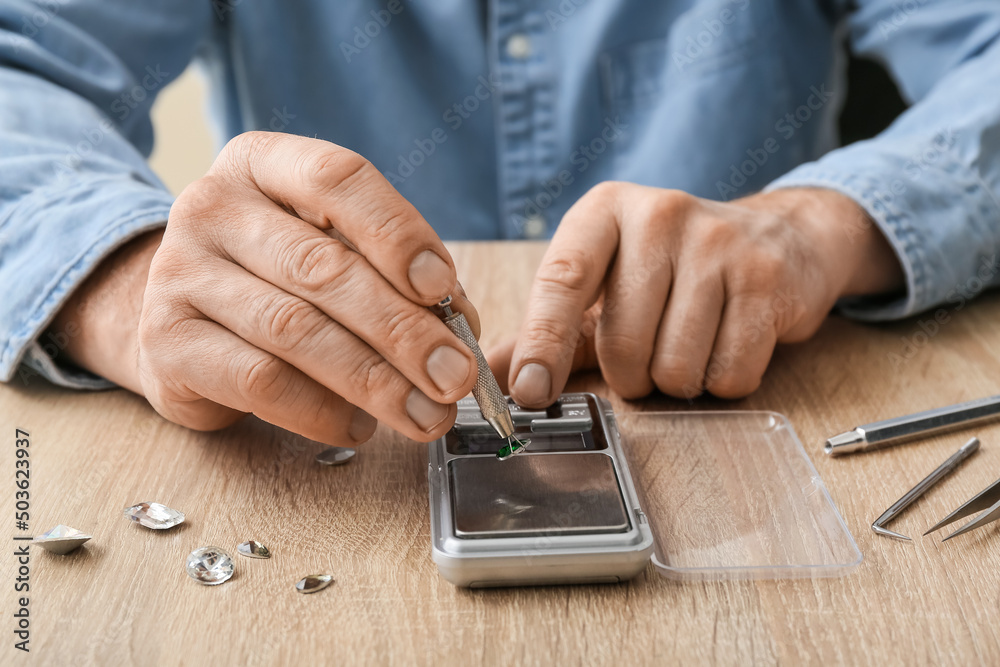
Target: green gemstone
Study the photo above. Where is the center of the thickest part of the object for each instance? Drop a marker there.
(514, 447)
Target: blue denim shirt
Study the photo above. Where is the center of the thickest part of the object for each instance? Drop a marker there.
(493, 117)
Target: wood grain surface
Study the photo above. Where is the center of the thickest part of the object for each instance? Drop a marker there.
(125, 598)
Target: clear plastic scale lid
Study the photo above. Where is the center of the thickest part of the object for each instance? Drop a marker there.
(733, 495)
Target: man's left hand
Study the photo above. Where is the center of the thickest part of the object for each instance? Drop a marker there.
(661, 289)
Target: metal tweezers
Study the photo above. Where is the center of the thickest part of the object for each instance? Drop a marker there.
(988, 499)
(967, 450)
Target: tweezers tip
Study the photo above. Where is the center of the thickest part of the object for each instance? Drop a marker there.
(939, 524)
(889, 533)
(964, 529)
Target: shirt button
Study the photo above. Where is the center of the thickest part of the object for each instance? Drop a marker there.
(519, 46)
(534, 227)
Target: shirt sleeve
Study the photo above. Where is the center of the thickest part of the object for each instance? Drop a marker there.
(77, 80)
(931, 181)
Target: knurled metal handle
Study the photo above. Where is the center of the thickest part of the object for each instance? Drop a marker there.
(487, 392)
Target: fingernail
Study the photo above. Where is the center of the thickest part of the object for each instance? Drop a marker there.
(431, 276)
(533, 385)
(423, 411)
(362, 426)
(448, 368)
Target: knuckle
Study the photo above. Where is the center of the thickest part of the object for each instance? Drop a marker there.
(625, 351)
(375, 378)
(762, 272)
(243, 150)
(714, 234)
(406, 328)
(733, 385)
(332, 166)
(567, 271)
(198, 200)
(671, 205)
(633, 388)
(168, 271)
(605, 191)
(676, 375)
(199, 417)
(550, 334)
(247, 144)
(549, 331)
(160, 326)
(288, 322)
(385, 227)
(262, 378)
(325, 414)
(148, 332)
(316, 264)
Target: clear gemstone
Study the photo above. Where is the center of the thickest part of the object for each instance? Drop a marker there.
(210, 566)
(313, 583)
(335, 456)
(253, 549)
(61, 539)
(154, 515)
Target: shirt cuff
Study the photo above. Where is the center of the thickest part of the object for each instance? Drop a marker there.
(896, 224)
(53, 259)
(36, 361)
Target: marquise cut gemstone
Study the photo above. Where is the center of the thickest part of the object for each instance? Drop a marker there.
(313, 583)
(154, 515)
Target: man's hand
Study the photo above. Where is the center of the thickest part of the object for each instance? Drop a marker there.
(664, 290)
(292, 282)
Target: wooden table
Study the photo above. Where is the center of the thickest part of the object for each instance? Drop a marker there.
(125, 598)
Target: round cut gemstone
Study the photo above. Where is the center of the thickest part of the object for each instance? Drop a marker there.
(210, 566)
(61, 539)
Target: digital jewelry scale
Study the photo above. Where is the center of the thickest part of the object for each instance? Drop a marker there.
(563, 511)
(724, 495)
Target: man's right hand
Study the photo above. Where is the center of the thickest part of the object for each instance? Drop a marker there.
(292, 282)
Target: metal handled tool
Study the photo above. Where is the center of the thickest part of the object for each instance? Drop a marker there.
(491, 400)
(893, 431)
(967, 450)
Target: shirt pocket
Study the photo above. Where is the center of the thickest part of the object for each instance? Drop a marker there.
(718, 62)
(702, 43)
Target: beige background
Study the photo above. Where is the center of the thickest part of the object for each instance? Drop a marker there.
(184, 147)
